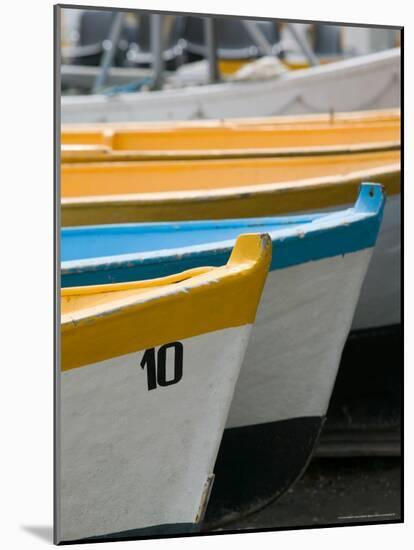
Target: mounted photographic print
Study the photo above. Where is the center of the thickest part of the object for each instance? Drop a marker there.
(228, 206)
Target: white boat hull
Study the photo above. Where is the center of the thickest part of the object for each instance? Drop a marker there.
(380, 302)
(286, 381)
(113, 430)
(301, 326)
(366, 82)
(352, 292)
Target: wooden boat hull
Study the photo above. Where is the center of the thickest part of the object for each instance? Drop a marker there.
(366, 82)
(379, 304)
(97, 193)
(290, 425)
(226, 139)
(103, 491)
(291, 362)
(141, 416)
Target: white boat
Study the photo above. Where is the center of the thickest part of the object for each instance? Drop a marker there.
(147, 374)
(366, 82)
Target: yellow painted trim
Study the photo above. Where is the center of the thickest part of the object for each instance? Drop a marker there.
(237, 202)
(102, 153)
(236, 136)
(122, 178)
(115, 320)
(94, 290)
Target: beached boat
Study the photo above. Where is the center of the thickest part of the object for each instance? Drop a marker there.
(318, 265)
(294, 131)
(365, 82)
(305, 130)
(148, 370)
(291, 136)
(123, 192)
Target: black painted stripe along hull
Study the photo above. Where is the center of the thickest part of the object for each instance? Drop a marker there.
(167, 529)
(256, 464)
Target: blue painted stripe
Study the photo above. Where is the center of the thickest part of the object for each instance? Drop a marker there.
(103, 254)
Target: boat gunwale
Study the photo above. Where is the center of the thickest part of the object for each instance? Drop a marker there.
(242, 263)
(310, 226)
(103, 154)
(231, 192)
(245, 87)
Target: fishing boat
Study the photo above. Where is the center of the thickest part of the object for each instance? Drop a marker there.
(319, 262)
(148, 370)
(124, 192)
(365, 82)
(283, 131)
(292, 137)
(97, 193)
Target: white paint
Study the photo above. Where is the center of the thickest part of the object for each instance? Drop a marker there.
(380, 301)
(296, 343)
(133, 458)
(379, 304)
(366, 82)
